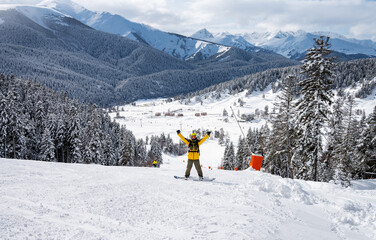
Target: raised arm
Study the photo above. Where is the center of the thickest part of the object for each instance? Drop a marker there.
(182, 137)
(204, 138)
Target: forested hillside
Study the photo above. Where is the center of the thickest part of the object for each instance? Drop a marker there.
(360, 72)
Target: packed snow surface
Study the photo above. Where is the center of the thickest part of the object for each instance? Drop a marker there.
(41, 200)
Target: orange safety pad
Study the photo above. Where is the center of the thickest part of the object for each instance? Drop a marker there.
(256, 162)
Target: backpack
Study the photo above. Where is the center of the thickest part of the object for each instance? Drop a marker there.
(193, 145)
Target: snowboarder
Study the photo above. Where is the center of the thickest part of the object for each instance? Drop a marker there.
(155, 163)
(193, 152)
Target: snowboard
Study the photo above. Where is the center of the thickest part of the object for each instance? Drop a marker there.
(196, 179)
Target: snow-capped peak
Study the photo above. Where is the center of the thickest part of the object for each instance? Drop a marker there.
(66, 6)
(39, 14)
(202, 34)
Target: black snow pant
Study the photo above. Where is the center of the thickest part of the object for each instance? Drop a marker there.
(197, 166)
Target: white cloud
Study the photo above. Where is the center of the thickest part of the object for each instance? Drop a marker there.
(354, 18)
(19, 1)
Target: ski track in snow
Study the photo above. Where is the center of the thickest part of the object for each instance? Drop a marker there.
(40, 200)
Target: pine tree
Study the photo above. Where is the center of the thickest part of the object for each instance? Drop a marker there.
(221, 139)
(229, 157)
(74, 136)
(360, 165)
(108, 151)
(262, 139)
(4, 125)
(47, 147)
(252, 139)
(169, 145)
(351, 134)
(13, 125)
(128, 152)
(282, 142)
(155, 152)
(313, 107)
(40, 116)
(367, 148)
(334, 167)
(141, 153)
(225, 113)
(61, 134)
(241, 154)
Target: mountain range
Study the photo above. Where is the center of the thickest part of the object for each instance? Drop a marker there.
(293, 44)
(203, 44)
(176, 45)
(62, 52)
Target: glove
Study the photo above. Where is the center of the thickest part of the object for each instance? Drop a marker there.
(178, 131)
(208, 132)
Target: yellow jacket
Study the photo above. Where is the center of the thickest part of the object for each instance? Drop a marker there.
(193, 154)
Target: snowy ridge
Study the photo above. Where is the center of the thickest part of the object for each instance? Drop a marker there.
(225, 38)
(176, 45)
(291, 44)
(39, 15)
(62, 201)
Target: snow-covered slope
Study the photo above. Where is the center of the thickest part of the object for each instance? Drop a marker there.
(40, 200)
(140, 117)
(176, 45)
(294, 44)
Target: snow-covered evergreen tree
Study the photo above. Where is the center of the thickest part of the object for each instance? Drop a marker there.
(333, 154)
(252, 139)
(282, 143)
(141, 153)
(13, 125)
(350, 137)
(155, 152)
(169, 148)
(74, 136)
(367, 148)
(242, 154)
(95, 134)
(225, 113)
(47, 147)
(313, 108)
(129, 147)
(229, 157)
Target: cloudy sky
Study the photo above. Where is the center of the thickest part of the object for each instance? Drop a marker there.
(352, 18)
